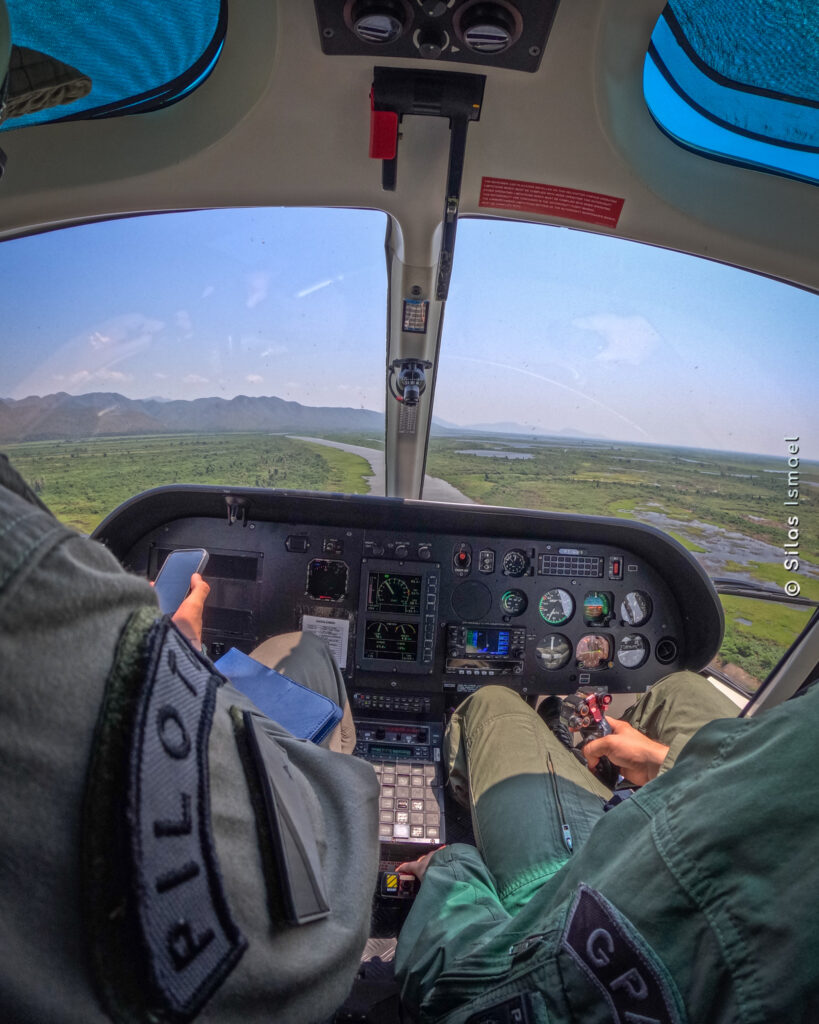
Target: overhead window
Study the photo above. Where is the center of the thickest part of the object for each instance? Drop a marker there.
(74, 59)
(739, 81)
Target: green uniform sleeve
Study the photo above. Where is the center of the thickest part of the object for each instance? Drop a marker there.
(457, 905)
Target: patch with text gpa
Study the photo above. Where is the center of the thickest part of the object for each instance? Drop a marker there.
(610, 953)
(161, 935)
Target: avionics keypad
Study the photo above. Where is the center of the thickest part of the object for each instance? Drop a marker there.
(410, 806)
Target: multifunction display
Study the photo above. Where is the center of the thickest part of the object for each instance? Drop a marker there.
(393, 592)
(487, 641)
(399, 611)
(391, 641)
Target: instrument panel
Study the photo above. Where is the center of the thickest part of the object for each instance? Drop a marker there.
(423, 599)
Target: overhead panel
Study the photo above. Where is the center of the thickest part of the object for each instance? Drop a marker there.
(490, 33)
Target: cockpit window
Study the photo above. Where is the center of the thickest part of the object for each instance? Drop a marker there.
(80, 59)
(588, 374)
(192, 348)
(739, 81)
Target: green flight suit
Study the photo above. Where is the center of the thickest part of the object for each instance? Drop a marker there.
(67, 615)
(693, 900)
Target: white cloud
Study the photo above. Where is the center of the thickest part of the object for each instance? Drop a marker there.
(99, 340)
(183, 322)
(276, 349)
(258, 285)
(314, 288)
(254, 378)
(628, 339)
(194, 378)
(160, 376)
(209, 290)
(84, 376)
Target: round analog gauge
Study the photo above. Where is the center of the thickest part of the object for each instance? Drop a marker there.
(635, 608)
(393, 592)
(593, 651)
(515, 563)
(632, 651)
(556, 606)
(553, 651)
(514, 602)
(596, 607)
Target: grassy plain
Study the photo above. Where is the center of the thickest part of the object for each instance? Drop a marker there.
(729, 490)
(83, 481)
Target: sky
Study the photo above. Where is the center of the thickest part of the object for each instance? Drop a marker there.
(554, 329)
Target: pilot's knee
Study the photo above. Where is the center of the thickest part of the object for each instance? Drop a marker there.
(490, 701)
(276, 648)
(680, 684)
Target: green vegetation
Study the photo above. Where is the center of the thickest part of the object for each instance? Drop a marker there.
(83, 481)
(757, 633)
(775, 572)
(689, 545)
(744, 493)
(368, 440)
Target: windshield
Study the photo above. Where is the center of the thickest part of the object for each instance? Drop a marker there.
(192, 348)
(599, 376)
(578, 373)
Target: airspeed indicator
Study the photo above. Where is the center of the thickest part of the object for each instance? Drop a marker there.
(556, 606)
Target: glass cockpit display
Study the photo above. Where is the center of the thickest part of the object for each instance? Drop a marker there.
(487, 641)
(394, 592)
(327, 579)
(391, 641)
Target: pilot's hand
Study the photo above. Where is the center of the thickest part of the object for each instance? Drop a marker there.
(188, 616)
(418, 867)
(637, 757)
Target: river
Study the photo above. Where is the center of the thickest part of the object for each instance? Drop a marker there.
(435, 489)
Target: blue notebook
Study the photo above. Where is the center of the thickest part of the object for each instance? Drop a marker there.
(303, 712)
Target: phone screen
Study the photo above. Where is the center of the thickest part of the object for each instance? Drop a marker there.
(174, 578)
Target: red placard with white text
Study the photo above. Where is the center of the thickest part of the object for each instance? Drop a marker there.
(551, 200)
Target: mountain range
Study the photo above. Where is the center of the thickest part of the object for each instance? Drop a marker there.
(64, 417)
(71, 417)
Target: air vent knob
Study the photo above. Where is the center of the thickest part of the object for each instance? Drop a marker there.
(488, 28)
(378, 22)
(431, 42)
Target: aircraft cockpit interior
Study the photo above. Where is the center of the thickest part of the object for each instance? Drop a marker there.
(477, 338)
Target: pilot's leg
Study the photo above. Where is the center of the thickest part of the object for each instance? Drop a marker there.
(522, 786)
(675, 708)
(306, 658)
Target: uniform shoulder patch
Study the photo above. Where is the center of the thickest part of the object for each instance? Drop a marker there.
(606, 947)
(161, 933)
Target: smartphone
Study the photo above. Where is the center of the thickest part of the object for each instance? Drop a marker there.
(173, 581)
